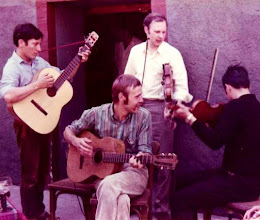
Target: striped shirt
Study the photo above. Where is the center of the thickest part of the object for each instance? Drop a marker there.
(135, 130)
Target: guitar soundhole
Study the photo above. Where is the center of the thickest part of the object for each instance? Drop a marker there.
(98, 156)
(51, 91)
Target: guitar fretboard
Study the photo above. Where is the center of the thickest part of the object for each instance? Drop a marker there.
(67, 71)
(124, 158)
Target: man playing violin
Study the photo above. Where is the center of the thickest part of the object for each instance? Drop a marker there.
(122, 119)
(146, 63)
(237, 129)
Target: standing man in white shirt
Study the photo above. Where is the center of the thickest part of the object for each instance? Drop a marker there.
(146, 63)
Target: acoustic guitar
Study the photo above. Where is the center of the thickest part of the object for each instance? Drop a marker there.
(41, 110)
(108, 157)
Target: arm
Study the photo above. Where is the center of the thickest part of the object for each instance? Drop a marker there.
(71, 132)
(180, 77)
(82, 144)
(253, 213)
(216, 137)
(129, 68)
(16, 94)
(144, 141)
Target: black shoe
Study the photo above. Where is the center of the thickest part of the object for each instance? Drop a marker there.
(44, 216)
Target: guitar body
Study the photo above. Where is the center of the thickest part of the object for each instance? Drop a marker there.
(81, 168)
(41, 110)
(44, 118)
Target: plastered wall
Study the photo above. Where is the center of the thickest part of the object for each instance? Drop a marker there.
(11, 13)
(196, 28)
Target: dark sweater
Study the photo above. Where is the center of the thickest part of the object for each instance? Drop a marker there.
(239, 131)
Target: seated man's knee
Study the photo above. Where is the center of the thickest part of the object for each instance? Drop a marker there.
(107, 187)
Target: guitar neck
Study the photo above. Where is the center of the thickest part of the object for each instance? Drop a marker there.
(67, 71)
(110, 157)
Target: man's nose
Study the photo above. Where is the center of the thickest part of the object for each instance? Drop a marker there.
(38, 47)
(161, 35)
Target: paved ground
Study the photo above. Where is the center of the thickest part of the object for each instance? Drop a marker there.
(68, 207)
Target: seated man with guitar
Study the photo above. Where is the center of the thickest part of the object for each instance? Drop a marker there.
(238, 180)
(126, 120)
(18, 82)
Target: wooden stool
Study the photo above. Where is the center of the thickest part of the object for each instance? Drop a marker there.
(240, 207)
(233, 208)
(66, 186)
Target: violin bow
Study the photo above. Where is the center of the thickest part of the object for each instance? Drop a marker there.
(212, 73)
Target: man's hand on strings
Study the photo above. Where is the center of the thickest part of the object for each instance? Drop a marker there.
(84, 55)
(135, 161)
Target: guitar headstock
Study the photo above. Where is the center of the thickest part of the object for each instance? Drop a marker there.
(165, 160)
(90, 40)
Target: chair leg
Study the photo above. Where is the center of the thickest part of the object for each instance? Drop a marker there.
(87, 208)
(144, 213)
(207, 215)
(53, 203)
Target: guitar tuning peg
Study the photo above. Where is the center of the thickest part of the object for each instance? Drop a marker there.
(161, 168)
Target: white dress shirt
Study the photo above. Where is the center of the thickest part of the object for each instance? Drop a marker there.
(152, 86)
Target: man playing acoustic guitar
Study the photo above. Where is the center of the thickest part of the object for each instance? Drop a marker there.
(15, 85)
(122, 119)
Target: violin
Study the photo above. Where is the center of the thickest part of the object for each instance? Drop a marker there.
(202, 110)
(168, 87)
(206, 113)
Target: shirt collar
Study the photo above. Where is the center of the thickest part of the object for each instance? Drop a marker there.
(20, 60)
(159, 49)
(114, 117)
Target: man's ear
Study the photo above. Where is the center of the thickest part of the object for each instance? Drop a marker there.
(228, 87)
(21, 43)
(146, 30)
(121, 97)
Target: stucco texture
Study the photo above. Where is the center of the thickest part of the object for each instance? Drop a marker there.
(196, 28)
(11, 13)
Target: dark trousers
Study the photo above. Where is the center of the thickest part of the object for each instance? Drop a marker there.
(34, 158)
(211, 189)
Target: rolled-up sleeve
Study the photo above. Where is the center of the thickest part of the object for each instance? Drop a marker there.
(10, 79)
(180, 77)
(86, 122)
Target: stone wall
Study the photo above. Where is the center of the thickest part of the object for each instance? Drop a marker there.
(196, 28)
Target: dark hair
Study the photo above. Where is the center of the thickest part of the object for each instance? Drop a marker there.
(236, 76)
(153, 17)
(26, 32)
(122, 84)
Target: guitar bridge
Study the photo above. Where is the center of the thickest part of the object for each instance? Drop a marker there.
(81, 160)
(39, 107)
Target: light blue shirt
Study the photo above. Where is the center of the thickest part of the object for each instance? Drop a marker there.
(18, 73)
